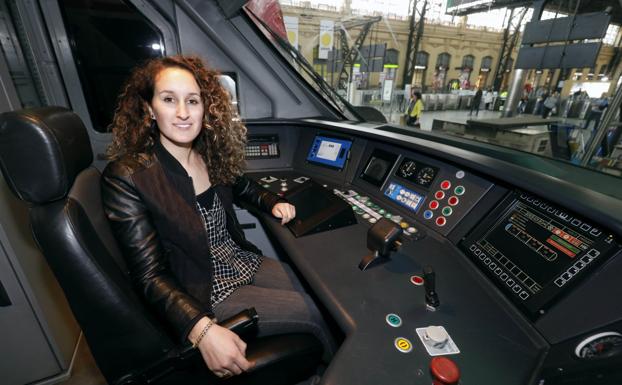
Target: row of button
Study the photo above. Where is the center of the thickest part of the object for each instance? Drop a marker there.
(576, 267)
(363, 206)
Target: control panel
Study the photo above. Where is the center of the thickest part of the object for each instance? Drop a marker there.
(262, 147)
(534, 251)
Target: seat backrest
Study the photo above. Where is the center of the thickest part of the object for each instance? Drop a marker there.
(45, 157)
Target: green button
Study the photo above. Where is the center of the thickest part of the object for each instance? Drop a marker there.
(394, 320)
(388, 215)
(382, 211)
(369, 204)
(447, 211)
(266, 186)
(459, 190)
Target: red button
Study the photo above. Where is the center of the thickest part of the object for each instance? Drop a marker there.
(416, 280)
(444, 371)
(434, 205)
(439, 194)
(440, 221)
(453, 201)
(445, 184)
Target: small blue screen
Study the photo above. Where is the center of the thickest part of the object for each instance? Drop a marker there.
(404, 196)
(331, 152)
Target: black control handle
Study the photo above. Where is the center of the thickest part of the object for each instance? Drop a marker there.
(431, 296)
(4, 297)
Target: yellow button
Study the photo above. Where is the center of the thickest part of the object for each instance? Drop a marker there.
(404, 225)
(403, 345)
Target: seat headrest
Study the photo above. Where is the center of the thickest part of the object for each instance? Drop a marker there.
(42, 150)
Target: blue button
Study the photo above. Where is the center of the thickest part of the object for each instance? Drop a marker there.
(428, 214)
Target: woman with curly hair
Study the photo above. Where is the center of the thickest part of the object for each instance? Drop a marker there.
(176, 167)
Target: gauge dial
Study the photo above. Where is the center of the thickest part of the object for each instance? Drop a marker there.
(407, 169)
(425, 176)
(602, 345)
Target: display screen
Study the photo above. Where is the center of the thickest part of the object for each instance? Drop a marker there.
(378, 167)
(331, 152)
(535, 249)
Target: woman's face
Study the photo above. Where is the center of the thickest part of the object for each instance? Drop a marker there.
(178, 107)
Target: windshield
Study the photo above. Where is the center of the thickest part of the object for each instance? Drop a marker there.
(464, 68)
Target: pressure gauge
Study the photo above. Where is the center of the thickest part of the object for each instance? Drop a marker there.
(407, 169)
(601, 345)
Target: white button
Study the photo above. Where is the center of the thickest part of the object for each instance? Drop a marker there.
(411, 230)
(283, 188)
(366, 215)
(460, 174)
(373, 220)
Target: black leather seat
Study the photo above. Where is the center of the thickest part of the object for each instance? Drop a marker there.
(45, 157)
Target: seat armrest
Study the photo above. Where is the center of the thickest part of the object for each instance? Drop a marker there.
(243, 323)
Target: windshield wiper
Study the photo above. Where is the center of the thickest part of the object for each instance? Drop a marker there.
(336, 100)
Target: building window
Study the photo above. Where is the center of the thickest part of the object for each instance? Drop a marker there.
(467, 61)
(443, 60)
(486, 64)
(108, 38)
(421, 60)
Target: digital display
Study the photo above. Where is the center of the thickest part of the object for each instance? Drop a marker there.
(378, 167)
(331, 152)
(404, 196)
(534, 250)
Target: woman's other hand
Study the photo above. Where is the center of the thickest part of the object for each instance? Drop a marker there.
(222, 350)
(285, 211)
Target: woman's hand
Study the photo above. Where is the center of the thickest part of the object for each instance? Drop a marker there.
(285, 211)
(222, 350)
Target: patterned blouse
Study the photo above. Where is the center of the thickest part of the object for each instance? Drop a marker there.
(233, 267)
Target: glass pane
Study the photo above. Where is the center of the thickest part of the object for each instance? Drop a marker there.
(453, 58)
(108, 38)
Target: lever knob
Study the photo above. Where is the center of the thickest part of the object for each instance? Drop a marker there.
(431, 296)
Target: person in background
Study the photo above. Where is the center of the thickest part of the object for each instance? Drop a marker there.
(415, 108)
(477, 100)
(488, 97)
(177, 161)
(598, 107)
(550, 103)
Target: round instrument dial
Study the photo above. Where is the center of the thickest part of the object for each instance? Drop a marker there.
(601, 345)
(408, 168)
(425, 176)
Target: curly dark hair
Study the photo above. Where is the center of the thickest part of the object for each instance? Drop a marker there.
(221, 140)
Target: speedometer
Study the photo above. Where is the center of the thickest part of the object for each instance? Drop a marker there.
(601, 345)
(407, 169)
(425, 176)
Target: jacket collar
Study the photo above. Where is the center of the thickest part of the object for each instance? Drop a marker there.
(167, 160)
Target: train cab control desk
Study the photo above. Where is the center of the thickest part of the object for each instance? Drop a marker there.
(385, 317)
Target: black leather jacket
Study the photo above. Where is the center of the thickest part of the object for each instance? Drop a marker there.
(150, 202)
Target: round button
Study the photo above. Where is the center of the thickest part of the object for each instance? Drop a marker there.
(388, 215)
(411, 230)
(428, 214)
(283, 188)
(439, 195)
(433, 204)
(441, 221)
(416, 280)
(453, 200)
(404, 225)
(403, 345)
(381, 211)
(393, 320)
(283, 183)
(444, 370)
(459, 190)
(366, 216)
(447, 211)
(445, 184)
(373, 220)
(460, 174)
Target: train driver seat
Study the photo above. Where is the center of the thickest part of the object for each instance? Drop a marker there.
(45, 157)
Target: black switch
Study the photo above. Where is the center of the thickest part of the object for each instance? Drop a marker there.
(431, 297)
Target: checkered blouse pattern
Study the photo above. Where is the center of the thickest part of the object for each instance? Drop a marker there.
(233, 267)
